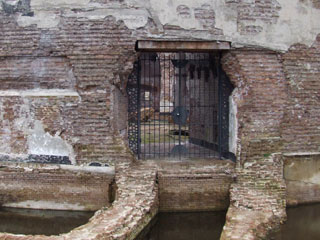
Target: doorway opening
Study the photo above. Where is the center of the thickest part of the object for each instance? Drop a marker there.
(179, 106)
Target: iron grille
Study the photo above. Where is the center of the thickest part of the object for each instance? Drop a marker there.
(178, 106)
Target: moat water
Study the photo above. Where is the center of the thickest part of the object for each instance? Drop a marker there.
(45, 222)
(185, 226)
(303, 223)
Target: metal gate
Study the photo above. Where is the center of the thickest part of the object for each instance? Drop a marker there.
(178, 106)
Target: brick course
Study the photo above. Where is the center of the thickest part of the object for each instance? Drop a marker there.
(61, 187)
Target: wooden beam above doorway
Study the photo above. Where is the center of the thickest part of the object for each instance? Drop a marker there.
(169, 46)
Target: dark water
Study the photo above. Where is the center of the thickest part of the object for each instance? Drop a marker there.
(185, 226)
(46, 222)
(303, 223)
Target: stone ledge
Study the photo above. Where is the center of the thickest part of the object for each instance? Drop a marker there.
(298, 154)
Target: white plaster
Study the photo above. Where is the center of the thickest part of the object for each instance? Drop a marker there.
(42, 143)
(43, 19)
(166, 11)
(39, 93)
(233, 123)
(132, 18)
(11, 2)
(298, 22)
(59, 3)
(315, 179)
(46, 205)
(91, 169)
(292, 154)
(13, 155)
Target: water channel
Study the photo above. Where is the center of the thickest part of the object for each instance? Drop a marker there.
(303, 223)
(45, 222)
(185, 226)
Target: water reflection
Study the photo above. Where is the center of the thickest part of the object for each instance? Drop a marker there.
(303, 223)
(46, 222)
(186, 226)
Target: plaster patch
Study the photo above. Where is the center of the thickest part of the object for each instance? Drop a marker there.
(88, 169)
(169, 16)
(42, 143)
(58, 3)
(39, 93)
(132, 18)
(43, 19)
(233, 123)
(46, 205)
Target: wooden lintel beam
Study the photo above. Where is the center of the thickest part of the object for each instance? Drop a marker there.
(168, 46)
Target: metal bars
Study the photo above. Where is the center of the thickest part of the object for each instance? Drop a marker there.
(178, 106)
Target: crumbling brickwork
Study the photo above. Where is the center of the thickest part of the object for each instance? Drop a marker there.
(135, 205)
(251, 13)
(84, 58)
(300, 127)
(259, 185)
(63, 73)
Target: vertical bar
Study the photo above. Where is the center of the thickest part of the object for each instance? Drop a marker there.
(220, 102)
(180, 59)
(160, 91)
(189, 107)
(199, 99)
(154, 107)
(147, 125)
(149, 104)
(169, 120)
(139, 110)
(194, 100)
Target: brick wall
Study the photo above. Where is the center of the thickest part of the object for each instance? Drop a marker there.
(54, 187)
(300, 127)
(87, 59)
(257, 198)
(195, 186)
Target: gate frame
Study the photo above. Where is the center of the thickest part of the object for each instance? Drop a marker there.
(181, 47)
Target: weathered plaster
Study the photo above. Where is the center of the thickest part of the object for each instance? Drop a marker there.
(297, 21)
(43, 19)
(39, 93)
(46, 205)
(42, 143)
(168, 15)
(233, 123)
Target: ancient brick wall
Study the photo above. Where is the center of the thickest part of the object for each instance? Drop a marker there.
(54, 187)
(64, 80)
(190, 186)
(259, 186)
(136, 203)
(300, 127)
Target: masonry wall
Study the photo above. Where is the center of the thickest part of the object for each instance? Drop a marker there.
(300, 127)
(53, 187)
(260, 99)
(195, 186)
(57, 89)
(64, 68)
